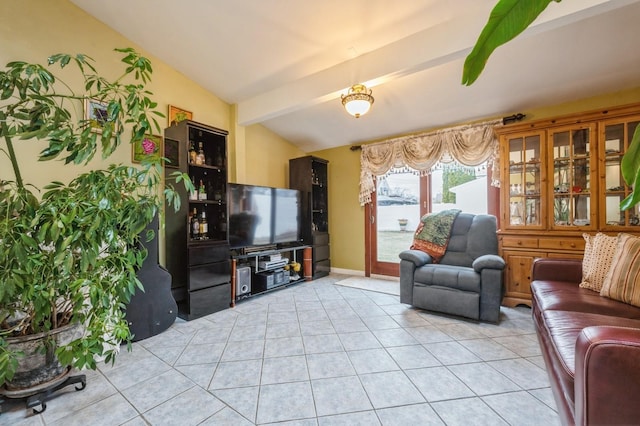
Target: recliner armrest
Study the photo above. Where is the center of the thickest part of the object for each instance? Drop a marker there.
(490, 261)
(418, 257)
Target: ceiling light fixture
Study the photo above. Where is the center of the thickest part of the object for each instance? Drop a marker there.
(358, 101)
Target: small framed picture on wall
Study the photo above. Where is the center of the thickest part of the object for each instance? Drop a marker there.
(95, 112)
(149, 146)
(177, 115)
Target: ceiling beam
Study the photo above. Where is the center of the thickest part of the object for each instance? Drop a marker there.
(426, 49)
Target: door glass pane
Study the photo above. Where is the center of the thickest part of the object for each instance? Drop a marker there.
(633, 213)
(581, 210)
(617, 140)
(571, 178)
(580, 140)
(613, 214)
(561, 210)
(398, 213)
(453, 186)
(524, 181)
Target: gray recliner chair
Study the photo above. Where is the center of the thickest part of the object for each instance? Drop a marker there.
(467, 281)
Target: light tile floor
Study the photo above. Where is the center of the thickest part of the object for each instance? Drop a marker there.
(317, 353)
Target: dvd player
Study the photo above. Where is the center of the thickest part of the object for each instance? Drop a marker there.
(273, 264)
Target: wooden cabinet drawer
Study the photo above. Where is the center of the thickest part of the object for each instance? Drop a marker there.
(320, 239)
(562, 243)
(209, 300)
(320, 253)
(321, 268)
(566, 255)
(512, 242)
(209, 275)
(208, 253)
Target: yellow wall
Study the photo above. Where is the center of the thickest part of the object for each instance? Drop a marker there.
(267, 157)
(346, 217)
(31, 30)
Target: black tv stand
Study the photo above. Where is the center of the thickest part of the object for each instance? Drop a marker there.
(254, 250)
(255, 257)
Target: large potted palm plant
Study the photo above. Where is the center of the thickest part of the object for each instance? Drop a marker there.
(69, 251)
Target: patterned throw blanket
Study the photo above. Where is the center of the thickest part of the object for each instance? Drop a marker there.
(432, 235)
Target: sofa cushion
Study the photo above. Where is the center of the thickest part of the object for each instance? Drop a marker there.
(623, 280)
(565, 296)
(598, 255)
(455, 277)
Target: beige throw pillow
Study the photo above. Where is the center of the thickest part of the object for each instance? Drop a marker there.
(598, 255)
(623, 279)
(586, 257)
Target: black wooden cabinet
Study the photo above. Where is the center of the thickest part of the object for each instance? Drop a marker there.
(309, 175)
(198, 261)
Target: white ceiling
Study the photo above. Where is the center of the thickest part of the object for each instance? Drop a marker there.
(286, 62)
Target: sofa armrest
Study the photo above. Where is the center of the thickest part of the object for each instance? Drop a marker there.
(418, 257)
(553, 269)
(607, 378)
(490, 261)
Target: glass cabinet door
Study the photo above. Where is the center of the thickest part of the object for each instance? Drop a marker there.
(524, 181)
(571, 176)
(617, 137)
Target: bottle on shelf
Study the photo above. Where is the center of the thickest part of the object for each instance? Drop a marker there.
(195, 226)
(223, 222)
(219, 161)
(200, 157)
(202, 191)
(193, 195)
(204, 226)
(217, 192)
(192, 153)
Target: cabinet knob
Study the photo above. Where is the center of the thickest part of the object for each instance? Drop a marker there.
(519, 243)
(573, 245)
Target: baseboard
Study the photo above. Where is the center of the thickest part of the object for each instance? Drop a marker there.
(356, 273)
(385, 277)
(347, 272)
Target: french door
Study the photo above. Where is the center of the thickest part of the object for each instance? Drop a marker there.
(402, 197)
(391, 219)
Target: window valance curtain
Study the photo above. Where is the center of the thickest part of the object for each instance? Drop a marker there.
(470, 145)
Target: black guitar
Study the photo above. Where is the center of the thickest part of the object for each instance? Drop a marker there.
(153, 311)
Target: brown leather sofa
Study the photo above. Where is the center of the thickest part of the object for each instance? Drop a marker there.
(590, 345)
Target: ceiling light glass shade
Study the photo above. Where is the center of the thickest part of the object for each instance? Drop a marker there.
(358, 101)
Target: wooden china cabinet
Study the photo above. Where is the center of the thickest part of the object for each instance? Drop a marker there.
(561, 178)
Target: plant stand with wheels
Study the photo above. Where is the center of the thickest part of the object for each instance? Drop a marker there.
(37, 397)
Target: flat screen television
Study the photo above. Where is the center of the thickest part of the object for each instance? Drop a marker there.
(261, 215)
